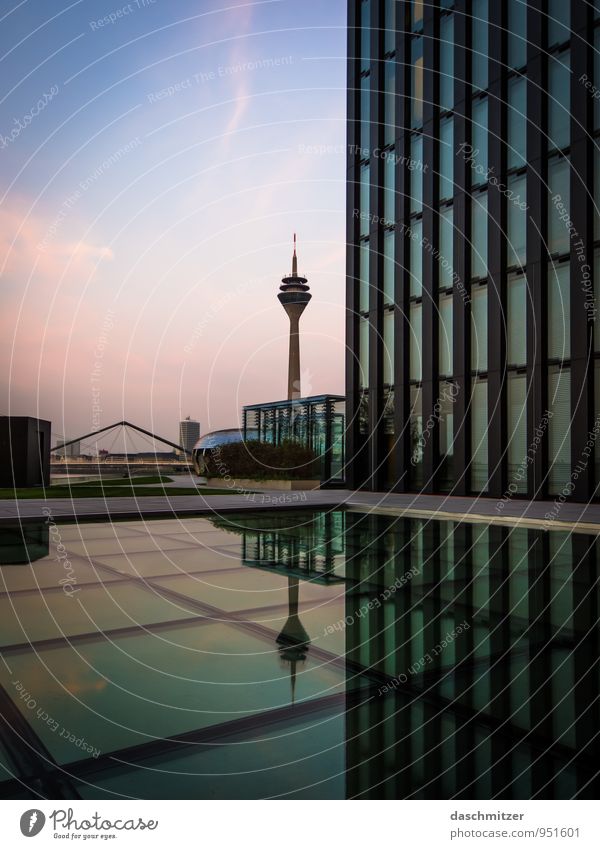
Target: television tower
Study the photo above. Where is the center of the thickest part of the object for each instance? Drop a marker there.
(294, 296)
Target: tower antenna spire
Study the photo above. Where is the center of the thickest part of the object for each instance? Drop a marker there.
(294, 260)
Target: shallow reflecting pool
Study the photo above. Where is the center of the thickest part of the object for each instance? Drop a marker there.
(298, 655)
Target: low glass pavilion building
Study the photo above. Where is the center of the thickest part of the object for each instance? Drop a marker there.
(317, 421)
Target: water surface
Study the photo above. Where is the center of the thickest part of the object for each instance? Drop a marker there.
(298, 655)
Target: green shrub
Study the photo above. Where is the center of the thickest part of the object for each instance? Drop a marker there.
(262, 461)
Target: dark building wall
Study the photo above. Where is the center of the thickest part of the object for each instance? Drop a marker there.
(473, 241)
(24, 451)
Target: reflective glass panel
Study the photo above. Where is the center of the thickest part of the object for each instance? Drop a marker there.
(559, 115)
(363, 337)
(478, 156)
(517, 33)
(480, 52)
(445, 336)
(389, 239)
(559, 173)
(516, 207)
(446, 183)
(517, 432)
(446, 247)
(559, 429)
(479, 232)
(388, 347)
(416, 342)
(447, 62)
(479, 335)
(416, 173)
(516, 320)
(559, 311)
(479, 436)
(416, 257)
(517, 123)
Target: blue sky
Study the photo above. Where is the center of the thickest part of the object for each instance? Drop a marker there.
(155, 160)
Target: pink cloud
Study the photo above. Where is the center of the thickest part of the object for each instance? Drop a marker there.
(25, 245)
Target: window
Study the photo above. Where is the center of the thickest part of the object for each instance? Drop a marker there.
(389, 186)
(517, 123)
(479, 236)
(388, 347)
(559, 194)
(389, 105)
(446, 245)
(365, 117)
(596, 191)
(416, 173)
(517, 432)
(417, 83)
(363, 355)
(416, 435)
(363, 300)
(517, 33)
(516, 320)
(415, 342)
(416, 258)
(480, 51)
(597, 77)
(479, 142)
(446, 184)
(479, 335)
(416, 15)
(597, 416)
(365, 35)
(559, 21)
(517, 221)
(446, 436)
(559, 335)
(479, 440)
(389, 237)
(390, 26)
(363, 414)
(559, 100)
(559, 428)
(597, 300)
(447, 62)
(445, 336)
(364, 216)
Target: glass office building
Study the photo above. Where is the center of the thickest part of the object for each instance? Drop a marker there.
(473, 238)
(317, 421)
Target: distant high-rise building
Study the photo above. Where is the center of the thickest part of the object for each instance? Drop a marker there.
(473, 342)
(189, 433)
(71, 450)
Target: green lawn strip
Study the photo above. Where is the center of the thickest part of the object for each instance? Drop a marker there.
(108, 492)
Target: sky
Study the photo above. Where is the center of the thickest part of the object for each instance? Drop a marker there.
(156, 158)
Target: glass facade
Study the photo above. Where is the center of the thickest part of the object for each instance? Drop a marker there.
(490, 248)
(317, 421)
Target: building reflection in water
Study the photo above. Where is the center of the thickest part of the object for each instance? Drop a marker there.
(309, 546)
(446, 659)
(303, 547)
(482, 661)
(23, 543)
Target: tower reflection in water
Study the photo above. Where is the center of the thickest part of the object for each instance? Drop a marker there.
(308, 548)
(478, 646)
